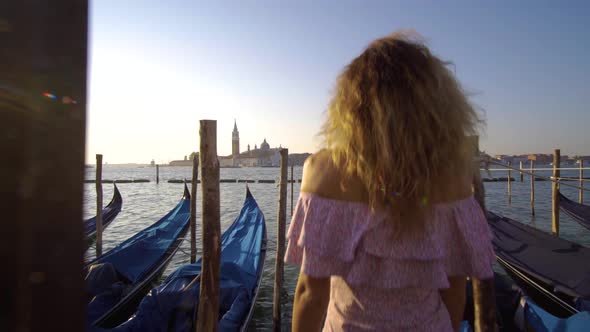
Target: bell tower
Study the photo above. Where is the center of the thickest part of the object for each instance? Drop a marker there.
(235, 140)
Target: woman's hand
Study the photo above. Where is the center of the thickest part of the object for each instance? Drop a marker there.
(311, 302)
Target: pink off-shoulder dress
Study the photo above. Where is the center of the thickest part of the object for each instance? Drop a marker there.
(380, 285)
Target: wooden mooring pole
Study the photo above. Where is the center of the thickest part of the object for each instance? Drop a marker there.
(484, 298)
(532, 187)
(521, 173)
(485, 305)
(208, 310)
(193, 219)
(292, 184)
(555, 193)
(282, 216)
(509, 185)
(581, 194)
(98, 179)
(157, 174)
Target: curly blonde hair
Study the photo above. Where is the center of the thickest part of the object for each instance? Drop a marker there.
(400, 121)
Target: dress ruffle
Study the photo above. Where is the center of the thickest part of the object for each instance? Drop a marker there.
(331, 237)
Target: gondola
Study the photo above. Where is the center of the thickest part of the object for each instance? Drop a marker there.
(554, 272)
(109, 213)
(515, 311)
(578, 212)
(172, 306)
(117, 281)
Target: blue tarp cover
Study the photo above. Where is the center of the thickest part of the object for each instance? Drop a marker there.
(137, 255)
(541, 320)
(509, 298)
(167, 308)
(560, 264)
(130, 262)
(537, 319)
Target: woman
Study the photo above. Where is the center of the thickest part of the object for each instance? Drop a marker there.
(386, 228)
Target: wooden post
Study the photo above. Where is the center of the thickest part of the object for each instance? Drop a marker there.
(555, 193)
(581, 195)
(485, 305)
(521, 173)
(484, 299)
(193, 219)
(532, 187)
(98, 181)
(44, 48)
(509, 185)
(292, 184)
(208, 310)
(157, 174)
(282, 216)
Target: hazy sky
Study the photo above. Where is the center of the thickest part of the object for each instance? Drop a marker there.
(158, 67)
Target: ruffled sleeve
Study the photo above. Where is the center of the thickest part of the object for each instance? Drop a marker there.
(468, 240)
(330, 237)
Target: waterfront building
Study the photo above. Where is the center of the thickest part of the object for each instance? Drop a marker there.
(265, 156)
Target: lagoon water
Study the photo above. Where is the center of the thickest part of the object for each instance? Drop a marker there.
(145, 203)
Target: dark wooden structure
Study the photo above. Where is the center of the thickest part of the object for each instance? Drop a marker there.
(281, 220)
(555, 193)
(532, 187)
(292, 184)
(208, 311)
(43, 61)
(581, 191)
(98, 183)
(194, 208)
(484, 295)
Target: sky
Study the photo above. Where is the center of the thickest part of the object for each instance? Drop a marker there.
(158, 67)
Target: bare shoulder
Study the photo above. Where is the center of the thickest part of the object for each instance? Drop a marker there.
(318, 170)
(322, 177)
(317, 162)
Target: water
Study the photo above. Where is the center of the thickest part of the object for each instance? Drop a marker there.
(145, 203)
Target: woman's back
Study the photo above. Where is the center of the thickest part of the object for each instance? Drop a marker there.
(386, 229)
(380, 281)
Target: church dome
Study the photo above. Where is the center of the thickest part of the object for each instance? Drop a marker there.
(264, 145)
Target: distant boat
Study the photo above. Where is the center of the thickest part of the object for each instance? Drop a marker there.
(109, 213)
(117, 281)
(172, 305)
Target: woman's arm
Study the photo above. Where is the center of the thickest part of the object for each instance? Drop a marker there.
(311, 302)
(454, 300)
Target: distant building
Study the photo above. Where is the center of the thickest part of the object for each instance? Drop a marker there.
(298, 159)
(515, 160)
(541, 158)
(181, 163)
(187, 161)
(265, 156)
(235, 140)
